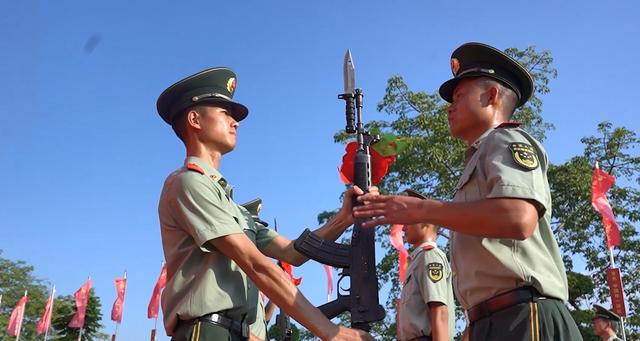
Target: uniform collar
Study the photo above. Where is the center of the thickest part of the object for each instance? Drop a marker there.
(212, 173)
(419, 249)
(475, 145)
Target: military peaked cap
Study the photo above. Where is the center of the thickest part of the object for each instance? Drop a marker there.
(481, 60)
(211, 86)
(606, 314)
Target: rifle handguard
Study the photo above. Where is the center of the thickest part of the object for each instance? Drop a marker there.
(323, 251)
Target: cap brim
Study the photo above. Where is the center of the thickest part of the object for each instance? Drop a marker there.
(238, 111)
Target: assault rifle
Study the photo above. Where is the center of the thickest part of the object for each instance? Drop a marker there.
(357, 260)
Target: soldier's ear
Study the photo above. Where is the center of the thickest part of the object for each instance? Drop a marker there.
(193, 118)
(493, 94)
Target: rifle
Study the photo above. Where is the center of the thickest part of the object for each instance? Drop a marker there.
(357, 260)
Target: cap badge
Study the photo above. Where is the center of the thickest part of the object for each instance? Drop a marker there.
(231, 85)
(455, 66)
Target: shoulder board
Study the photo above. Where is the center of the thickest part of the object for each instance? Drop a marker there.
(194, 167)
(509, 124)
(428, 247)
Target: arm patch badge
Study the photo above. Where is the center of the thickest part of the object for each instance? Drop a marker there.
(524, 155)
(434, 272)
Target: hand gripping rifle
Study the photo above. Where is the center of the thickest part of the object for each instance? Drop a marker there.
(356, 260)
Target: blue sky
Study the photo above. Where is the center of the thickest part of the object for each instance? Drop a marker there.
(83, 153)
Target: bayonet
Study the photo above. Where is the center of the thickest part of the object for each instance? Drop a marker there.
(349, 73)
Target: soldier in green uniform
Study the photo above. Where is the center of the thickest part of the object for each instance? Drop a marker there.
(507, 269)
(427, 309)
(213, 249)
(606, 324)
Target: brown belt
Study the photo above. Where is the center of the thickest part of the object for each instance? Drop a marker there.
(502, 301)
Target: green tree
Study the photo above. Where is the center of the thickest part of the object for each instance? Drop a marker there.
(15, 278)
(65, 308)
(579, 228)
(433, 161)
(275, 333)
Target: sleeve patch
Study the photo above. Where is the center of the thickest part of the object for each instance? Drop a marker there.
(434, 271)
(524, 155)
(194, 167)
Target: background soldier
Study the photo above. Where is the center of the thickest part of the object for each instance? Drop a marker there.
(508, 272)
(605, 324)
(427, 309)
(213, 249)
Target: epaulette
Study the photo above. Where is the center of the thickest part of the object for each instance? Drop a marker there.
(194, 167)
(428, 247)
(509, 124)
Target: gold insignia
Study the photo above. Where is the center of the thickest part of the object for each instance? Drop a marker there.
(231, 85)
(455, 66)
(524, 155)
(434, 271)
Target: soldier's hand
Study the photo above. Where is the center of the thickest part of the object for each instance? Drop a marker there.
(346, 209)
(346, 334)
(391, 209)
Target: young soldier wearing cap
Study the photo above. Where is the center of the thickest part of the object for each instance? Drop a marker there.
(605, 324)
(426, 310)
(508, 272)
(214, 250)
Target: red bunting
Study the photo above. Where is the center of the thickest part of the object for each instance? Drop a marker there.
(15, 321)
(289, 270)
(601, 182)
(379, 164)
(154, 303)
(329, 270)
(118, 305)
(82, 300)
(45, 321)
(395, 237)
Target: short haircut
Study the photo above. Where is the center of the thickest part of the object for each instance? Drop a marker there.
(179, 122)
(508, 97)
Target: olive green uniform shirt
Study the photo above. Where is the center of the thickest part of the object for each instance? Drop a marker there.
(428, 280)
(194, 209)
(485, 267)
(259, 327)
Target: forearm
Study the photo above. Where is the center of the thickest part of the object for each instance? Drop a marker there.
(439, 322)
(492, 218)
(272, 281)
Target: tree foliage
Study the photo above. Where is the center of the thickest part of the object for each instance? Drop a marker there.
(433, 161)
(65, 308)
(15, 279)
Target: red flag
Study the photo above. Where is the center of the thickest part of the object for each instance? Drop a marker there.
(329, 270)
(15, 321)
(116, 311)
(617, 294)
(396, 241)
(379, 164)
(601, 182)
(154, 303)
(82, 299)
(45, 321)
(289, 270)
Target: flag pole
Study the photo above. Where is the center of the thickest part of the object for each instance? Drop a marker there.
(21, 319)
(53, 293)
(613, 266)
